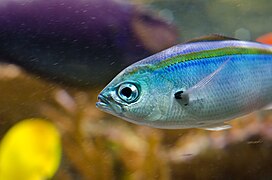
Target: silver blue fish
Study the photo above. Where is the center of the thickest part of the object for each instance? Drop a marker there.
(199, 84)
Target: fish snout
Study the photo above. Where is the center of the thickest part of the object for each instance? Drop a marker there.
(106, 103)
(102, 102)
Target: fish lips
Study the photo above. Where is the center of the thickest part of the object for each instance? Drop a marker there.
(105, 104)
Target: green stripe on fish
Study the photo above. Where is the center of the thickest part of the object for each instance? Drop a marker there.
(208, 54)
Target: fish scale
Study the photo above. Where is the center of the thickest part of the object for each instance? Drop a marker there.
(217, 80)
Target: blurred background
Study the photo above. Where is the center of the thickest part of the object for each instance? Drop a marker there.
(58, 55)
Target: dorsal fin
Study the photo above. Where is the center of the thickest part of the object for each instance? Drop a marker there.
(212, 37)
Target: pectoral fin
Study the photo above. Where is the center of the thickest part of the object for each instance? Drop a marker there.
(185, 97)
(217, 127)
(182, 98)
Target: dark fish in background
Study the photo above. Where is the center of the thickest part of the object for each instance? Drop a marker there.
(79, 42)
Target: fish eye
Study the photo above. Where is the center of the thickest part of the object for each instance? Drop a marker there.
(128, 92)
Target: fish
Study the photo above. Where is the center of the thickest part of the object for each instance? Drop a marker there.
(73, 42)
(202, 83)
(34, 137)
(266, 38)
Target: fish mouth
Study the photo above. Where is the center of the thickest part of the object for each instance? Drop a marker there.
(105, 104)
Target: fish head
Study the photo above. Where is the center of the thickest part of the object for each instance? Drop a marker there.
(137, 95)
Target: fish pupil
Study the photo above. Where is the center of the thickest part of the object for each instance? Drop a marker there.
(126, 92)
